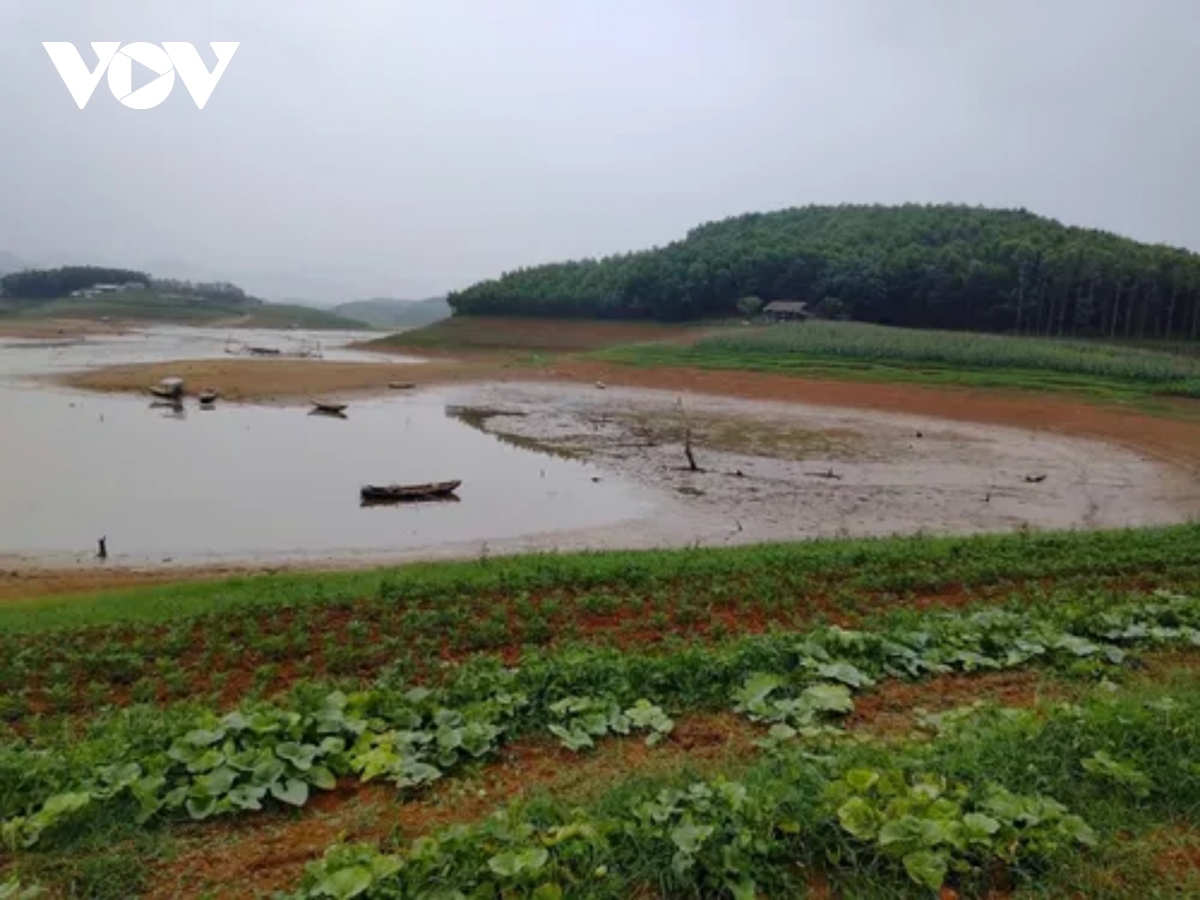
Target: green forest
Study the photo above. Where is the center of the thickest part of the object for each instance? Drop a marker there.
(34, 285)
(951, 267)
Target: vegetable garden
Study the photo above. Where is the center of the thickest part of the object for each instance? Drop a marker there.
(135, 727)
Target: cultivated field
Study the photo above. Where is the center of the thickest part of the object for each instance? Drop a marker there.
(859, 351)
(1011, 716)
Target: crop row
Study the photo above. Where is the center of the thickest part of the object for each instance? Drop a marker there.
(415, 627)
(993, 801)
(203, 764)
(857, 341)
(881, 565)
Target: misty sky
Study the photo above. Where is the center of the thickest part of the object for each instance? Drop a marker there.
(405, 148)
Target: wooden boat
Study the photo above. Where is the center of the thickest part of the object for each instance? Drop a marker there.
(329, 409)
(208, 397)
(401, 385)
(408, 493)
(168, 388)
(264, 351)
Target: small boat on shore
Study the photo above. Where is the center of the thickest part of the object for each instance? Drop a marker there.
(168, 389)
(409, 493)
(208, 397)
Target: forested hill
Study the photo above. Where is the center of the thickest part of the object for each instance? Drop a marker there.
(920, 266)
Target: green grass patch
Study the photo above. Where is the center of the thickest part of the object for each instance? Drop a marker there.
(517, 335)
(877, 564)
(874, 353)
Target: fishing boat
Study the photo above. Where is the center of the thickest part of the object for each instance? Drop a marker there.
(208, 397)
(408, 493)
(168, 389)
(329, 409)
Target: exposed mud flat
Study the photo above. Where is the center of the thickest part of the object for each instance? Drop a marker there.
(776, 459)
(775, 471)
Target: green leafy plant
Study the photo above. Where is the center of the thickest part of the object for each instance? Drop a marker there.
(580, 720)
(931, 827)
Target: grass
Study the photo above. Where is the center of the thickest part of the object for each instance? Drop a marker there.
(525, 335)
(882, 564)
(875, 353)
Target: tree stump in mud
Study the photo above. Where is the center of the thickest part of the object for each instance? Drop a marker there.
(687, 451)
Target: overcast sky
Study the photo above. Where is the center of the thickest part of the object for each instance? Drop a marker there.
(408, 147)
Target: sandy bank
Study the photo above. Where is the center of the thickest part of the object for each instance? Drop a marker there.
(51, 329)
(271, 380)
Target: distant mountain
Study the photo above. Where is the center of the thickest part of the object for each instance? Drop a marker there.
(386, 312)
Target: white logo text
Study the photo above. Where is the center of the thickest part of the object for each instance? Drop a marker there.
(164, 61)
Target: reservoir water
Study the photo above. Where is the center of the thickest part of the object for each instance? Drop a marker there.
(243, 482)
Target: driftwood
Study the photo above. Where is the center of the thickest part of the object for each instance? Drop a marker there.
(687, 451)
(401, 385)
(1035, 479)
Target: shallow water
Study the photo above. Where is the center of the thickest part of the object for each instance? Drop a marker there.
(249, 482)
(21, 356)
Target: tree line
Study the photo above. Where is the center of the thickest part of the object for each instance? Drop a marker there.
(33, 286)
(50, 284)
(953, 267)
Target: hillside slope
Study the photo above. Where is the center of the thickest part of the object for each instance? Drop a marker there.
(53, 294)
(922, 266)
(386, 312)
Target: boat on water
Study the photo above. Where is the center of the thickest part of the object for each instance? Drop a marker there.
(329, 409)
(409, 493)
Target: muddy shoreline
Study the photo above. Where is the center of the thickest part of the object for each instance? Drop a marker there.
(766, 471)
(777, 458)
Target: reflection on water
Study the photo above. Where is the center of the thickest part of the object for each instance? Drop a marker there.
(169, 481)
